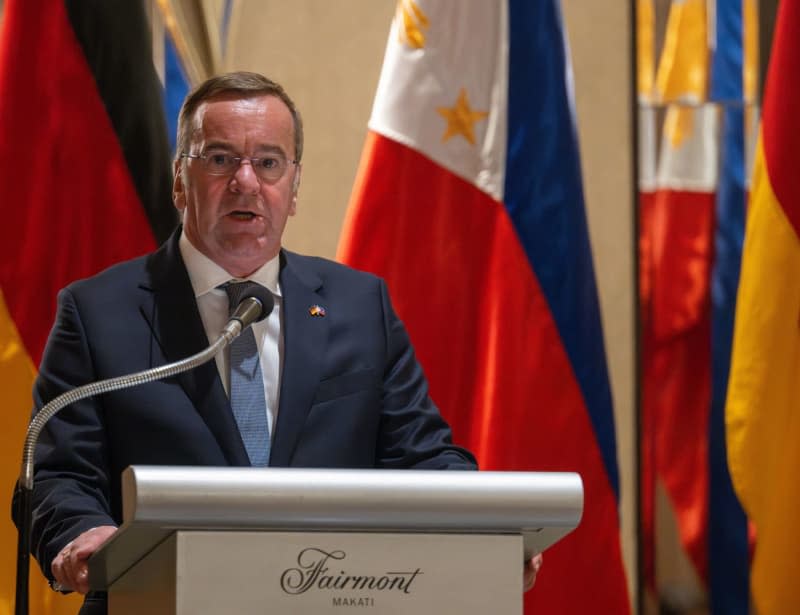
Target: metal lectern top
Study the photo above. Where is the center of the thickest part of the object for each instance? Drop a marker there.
(158, 500)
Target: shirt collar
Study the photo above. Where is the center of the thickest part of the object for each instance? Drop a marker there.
(206, 275)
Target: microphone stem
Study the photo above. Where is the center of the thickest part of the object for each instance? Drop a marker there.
(247, 312)
(232, 329)
(24, 495)
(23, 500)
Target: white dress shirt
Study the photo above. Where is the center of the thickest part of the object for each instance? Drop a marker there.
(212, 302)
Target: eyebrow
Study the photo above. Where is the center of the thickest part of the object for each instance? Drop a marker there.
(259, 151)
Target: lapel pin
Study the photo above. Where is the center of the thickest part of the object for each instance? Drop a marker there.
(317, 311)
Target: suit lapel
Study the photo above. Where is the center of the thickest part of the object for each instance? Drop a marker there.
(173, 316)
(305, 340)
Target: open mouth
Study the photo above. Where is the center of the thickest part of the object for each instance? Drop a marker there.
(242, 215)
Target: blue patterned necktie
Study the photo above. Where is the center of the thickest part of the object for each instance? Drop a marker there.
(247, 384)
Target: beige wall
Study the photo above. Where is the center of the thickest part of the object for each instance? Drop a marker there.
(329, 55)
(599, 34)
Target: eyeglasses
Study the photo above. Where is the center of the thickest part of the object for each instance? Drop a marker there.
(268, 169)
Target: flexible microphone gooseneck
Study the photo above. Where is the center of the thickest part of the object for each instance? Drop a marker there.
(255, 306)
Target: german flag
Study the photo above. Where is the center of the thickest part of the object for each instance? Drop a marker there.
(85, 181)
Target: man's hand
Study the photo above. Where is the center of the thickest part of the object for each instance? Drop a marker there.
(529, 571)
(70, 567)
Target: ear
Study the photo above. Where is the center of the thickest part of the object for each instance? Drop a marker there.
(295, 187)
(178, 188)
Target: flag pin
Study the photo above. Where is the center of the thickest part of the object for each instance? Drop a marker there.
(317, 310)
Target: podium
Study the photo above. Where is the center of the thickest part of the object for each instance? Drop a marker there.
(275, 540)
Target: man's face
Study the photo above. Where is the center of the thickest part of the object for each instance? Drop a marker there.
(236, 219)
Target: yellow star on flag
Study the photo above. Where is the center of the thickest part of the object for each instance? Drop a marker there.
(461, 119)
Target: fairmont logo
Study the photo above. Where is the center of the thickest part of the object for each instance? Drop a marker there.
(313, 572)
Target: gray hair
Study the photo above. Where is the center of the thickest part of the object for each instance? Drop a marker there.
(245, 85)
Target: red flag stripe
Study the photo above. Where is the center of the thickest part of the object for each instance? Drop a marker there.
(462, 284)
(781, 122)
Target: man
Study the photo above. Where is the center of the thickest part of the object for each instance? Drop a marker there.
(341, 386)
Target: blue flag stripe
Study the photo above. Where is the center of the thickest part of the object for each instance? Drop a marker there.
(176, 86)
(544, 198)
(727, 528)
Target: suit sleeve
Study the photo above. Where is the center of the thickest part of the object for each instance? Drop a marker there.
(71, 483)
(413, 433)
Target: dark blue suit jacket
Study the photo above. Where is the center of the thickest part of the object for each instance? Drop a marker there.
(352, 393)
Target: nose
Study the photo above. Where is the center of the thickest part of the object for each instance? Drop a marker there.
(245, 179)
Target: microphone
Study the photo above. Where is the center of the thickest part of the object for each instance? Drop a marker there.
(256, 304)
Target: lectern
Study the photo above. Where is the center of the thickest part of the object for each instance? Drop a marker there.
(274, 540)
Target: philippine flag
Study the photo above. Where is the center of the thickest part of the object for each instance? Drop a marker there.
(468, 201)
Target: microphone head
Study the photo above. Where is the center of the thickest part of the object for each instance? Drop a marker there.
(253, 304)
(264, 297)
